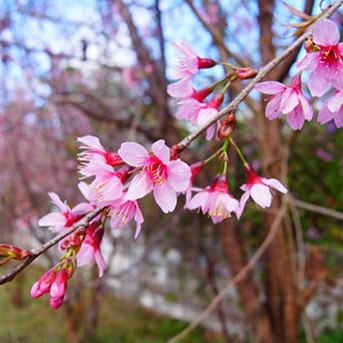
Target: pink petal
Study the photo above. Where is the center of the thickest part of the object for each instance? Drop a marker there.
(90, 142)
(100, 261)
(52, 219)
(179, 174)
(106, 189)
(326, 33)
(318, 81)
(273, 108)
(231, 204)
(296, 118)
(189, 110)
(84, 189)
(82, 208)
(198, 200)
(160, 149)
(165, 197)
(133, 154)
(184, 47)
(211, 130)
(139, 220)
(55, 199)
(296, 82)
(309, 62)
(306, 107)
(335, 102)
(85, 256)
(289, 100)
(339, 118)
(242, 203)
(181, 89)
(274, 183)
(261, 195)
(139, 187)
(270, 87)
(325, 115)
(206, 114)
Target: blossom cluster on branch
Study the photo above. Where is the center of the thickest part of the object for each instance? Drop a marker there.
(120, 179)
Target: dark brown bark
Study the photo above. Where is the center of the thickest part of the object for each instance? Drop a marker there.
(233, 247)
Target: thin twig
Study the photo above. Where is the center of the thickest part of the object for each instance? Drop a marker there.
(318, 209)
(238, 277)
(232, 106)
(34, 253)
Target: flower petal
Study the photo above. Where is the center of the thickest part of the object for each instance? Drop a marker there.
(270, 87)
(181, 89)
(198, 200)
(289, 100)
(179, 174)
(325, 115)
(326, 33)
(273, 108)
(274, 183)
(309, 62)
(296, 118)
(160, 149)
(139, 187)
(133, 154)
(318, 81)
(261, 195)
(52, 219)
(165, 197)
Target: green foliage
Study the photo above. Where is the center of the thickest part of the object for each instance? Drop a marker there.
(119, 322)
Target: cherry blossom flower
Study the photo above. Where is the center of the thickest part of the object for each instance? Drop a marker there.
(123, 211)
(93, 149)
(157, 173)
(216, 200)
(332, 109)
(259, 188)
(187, 66)
(58, 221)
(90, 251)
(326, 64)
(287, 100)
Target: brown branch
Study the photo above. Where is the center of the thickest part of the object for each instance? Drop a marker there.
(318, 209)
(34, 253)
(216, 36)
(232, 106)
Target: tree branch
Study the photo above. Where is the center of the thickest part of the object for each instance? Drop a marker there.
(34, 253)
(232, 106)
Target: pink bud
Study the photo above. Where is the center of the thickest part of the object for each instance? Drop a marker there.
(59, 286)
(43, 285)
(55, 303)
(204, 63)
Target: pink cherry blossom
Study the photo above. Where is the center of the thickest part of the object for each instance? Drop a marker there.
(58, 221)
(187, 66)
(326, 64)
(90, 251)
(93, 149)
(216, 200)
(287, 100)
(259, 188)
(156, 172)
(123, 211)
(332, 109)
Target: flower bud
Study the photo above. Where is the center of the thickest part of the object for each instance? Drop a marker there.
(246, 73)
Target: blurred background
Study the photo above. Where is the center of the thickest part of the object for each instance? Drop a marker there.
(101, 67)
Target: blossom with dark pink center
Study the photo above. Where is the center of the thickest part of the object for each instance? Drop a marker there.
(123, 211)
(67, 217)
(287, 100)
(332, 109)
(157, 173)
(90, 251)
(259, 189)
(216, 200)
(326, 64)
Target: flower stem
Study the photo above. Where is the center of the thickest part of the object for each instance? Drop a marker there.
(239, 152)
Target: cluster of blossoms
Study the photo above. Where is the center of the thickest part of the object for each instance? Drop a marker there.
(324, 59)
(119, 180)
